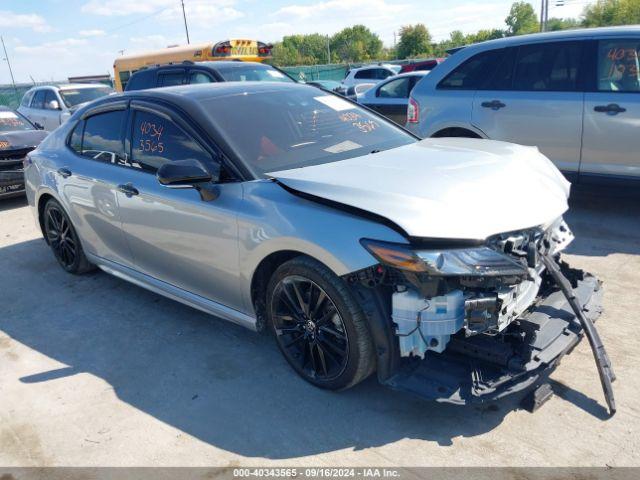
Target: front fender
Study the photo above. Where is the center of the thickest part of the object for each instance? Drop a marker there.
(275, 220)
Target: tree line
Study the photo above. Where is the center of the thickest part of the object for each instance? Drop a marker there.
(358, 44)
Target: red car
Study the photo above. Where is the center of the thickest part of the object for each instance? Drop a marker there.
(421, 65)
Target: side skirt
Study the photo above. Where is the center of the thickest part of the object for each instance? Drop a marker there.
(173, 292)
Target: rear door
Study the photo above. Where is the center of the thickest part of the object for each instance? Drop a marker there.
(535, 97)
(88, 178)
(391, 98)
(611, 142)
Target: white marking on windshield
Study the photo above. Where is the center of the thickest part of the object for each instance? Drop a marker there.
(342, 147)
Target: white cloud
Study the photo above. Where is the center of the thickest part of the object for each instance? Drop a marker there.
(198, 11)
(23, 20)
(92, 33)
(63, 46)
(361, 9)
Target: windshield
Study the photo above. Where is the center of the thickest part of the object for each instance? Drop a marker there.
(252, 73)
(298, 127)
(12, 121)
(76, 96)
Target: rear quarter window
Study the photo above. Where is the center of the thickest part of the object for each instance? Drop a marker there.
(472, 72)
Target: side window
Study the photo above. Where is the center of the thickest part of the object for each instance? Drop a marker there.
(618, 65)
(200, 77)
(156, 141)
(102, 138)
(365, 74)
(169, 79)
(548, 67)
(501, 78)
(38, 99)
(472, 72)
(26, 100)
(395, 88)
(50, 96)
(75, 140)
(381, 73)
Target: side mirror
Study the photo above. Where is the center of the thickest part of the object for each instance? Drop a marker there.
(185, 173)
(53, 105)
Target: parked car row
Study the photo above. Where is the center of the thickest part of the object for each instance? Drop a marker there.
(574, 94)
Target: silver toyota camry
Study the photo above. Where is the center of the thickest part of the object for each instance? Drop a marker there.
(285, 208)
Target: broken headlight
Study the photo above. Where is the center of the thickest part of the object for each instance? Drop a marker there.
(470, 261)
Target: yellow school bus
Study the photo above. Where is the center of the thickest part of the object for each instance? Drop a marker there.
(237, 49)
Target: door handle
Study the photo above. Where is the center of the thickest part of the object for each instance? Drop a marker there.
(128, 189)
(64, 172)
(612, 108)
(493, 104)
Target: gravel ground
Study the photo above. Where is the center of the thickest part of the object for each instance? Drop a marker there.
(95, 371)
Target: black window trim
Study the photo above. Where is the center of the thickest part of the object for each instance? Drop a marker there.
(167, 112)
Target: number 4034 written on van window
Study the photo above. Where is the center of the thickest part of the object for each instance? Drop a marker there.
(151, 137)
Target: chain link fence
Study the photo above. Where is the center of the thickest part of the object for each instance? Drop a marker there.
(10, 97)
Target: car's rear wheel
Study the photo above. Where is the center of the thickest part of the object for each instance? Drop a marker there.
(63, 239)
(318, 324)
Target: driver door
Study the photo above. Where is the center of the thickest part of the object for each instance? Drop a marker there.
(174, 235)
(391, 98)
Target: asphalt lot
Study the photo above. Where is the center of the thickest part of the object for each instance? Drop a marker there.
(98, 372)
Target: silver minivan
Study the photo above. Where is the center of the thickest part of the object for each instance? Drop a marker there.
(573, 94)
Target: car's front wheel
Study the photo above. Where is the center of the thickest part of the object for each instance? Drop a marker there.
(319, 326)
(63, 239)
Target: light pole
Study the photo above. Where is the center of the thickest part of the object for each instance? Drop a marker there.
(6, 57)
(184, 15)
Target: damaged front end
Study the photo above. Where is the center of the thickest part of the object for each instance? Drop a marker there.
(474, 323)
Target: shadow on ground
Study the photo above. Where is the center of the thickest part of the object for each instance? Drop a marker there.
(11, 203)
(228, 386)
(604, 222)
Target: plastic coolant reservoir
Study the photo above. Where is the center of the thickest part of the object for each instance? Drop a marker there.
(426, 323)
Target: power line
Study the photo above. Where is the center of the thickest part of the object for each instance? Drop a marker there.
(138, 20)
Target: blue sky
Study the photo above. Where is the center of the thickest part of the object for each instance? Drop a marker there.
(54, 39)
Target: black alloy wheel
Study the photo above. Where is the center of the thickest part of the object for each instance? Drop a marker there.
(63, 240)
(309, 328)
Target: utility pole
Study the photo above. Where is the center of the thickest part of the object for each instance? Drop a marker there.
(542, 15)
(546, 14)
(184, 15)
(6, 57)
(328, 51)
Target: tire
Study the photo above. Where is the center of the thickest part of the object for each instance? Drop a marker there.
(319, 326)
(63, 239)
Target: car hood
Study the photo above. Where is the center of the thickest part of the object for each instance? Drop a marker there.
(23, 138)
(453, 188)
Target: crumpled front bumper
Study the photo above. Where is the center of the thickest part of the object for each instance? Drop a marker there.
(473, 370)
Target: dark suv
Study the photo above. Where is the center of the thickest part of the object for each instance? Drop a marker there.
(204, 72)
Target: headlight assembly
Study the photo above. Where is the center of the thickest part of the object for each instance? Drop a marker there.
(470, 261)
